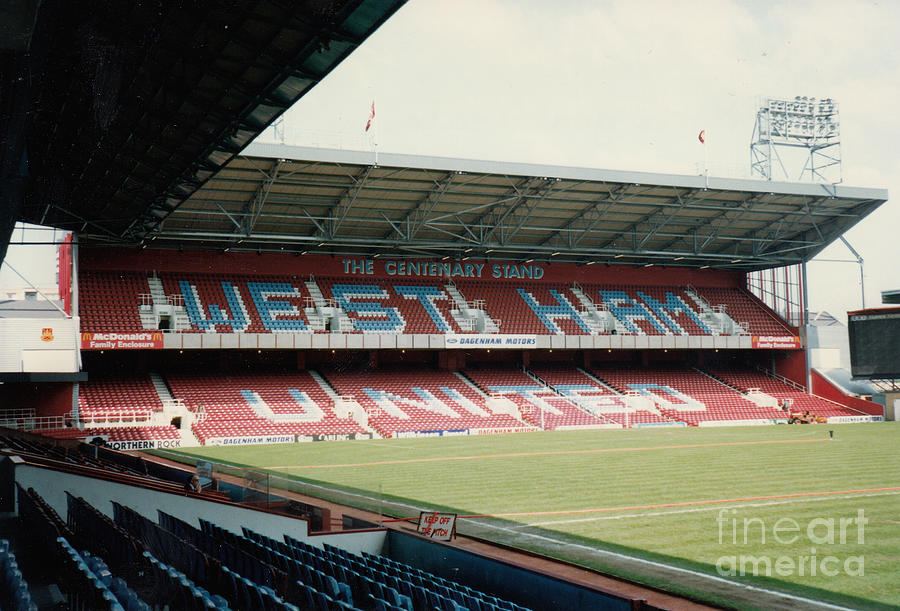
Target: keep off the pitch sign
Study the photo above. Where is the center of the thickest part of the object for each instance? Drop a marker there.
(440, 526)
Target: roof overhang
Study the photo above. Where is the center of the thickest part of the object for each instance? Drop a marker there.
(130, 107)
(298, 199)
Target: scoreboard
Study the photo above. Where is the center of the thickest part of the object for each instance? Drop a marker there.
(875, 343)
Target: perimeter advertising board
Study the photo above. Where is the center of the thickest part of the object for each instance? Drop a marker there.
(489, 340)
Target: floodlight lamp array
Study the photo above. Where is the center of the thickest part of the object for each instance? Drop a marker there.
(803, 105)
(803, 117)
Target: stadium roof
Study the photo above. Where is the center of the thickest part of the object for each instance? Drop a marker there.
(296, 199)
(115, 112)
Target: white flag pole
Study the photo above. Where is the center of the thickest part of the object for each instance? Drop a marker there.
(373, 126)
(702, 138)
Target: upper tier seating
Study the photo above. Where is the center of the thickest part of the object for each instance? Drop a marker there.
(236, 405)
(393, 306)
(205, 298)
(686, 395)
(538, 404)
(746, 311)
(583, 390)
(650, 310)
(505, 303)
(419, 400)
(109, 301)
(800, 401)
(117, 398)
(231, 303)
(277, 304)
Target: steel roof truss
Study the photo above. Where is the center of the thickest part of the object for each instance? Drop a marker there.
(340, 210)
(254, 206)
(531, 203)
(518, 190)
(417, 217)
(665, 221)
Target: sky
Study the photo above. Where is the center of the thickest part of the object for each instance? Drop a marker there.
(628, 85)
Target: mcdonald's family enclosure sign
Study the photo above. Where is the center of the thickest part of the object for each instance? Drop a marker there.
(119, 341)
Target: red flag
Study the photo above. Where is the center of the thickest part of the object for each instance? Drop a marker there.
(701, 136)
(371, 116)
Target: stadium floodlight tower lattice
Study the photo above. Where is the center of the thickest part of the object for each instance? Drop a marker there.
(790, 130)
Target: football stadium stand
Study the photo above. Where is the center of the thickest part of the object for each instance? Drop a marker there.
(590, 394)
(418, 400)
(154, 544)
(278, 404)
(262, 405)
(538, 404)
(285, 294)
(790, 396)
(117, 398)
(689, 395)
(231, 303)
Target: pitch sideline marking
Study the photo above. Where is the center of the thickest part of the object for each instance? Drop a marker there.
(546, 453)
(602, 552)
(698, 509)
(687, 503)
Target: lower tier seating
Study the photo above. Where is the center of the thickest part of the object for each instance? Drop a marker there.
(400, 401)
(538, 404)
(118, 397)
(686, 394)
(585, 391)
(419, 400)
(798, 400)
(261, 404)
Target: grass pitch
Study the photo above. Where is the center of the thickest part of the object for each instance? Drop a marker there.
(781, 507)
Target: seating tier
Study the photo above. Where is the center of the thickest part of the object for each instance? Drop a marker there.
(800, 401)
(539, 405)
(117, 397)
(606, 404)
(225, 402)
(109, 301)
(419, 400)
(233, 303)
(686, 395)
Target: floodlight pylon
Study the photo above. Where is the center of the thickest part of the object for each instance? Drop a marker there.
(788, 131)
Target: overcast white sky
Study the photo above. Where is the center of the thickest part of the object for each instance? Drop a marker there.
(628, 85)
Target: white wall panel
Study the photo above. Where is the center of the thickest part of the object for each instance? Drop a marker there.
(47, 361)
(37, 345)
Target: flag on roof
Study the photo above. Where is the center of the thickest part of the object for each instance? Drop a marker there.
(701, 136)
(371, 116)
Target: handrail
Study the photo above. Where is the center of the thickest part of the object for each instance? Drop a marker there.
(29, 423)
